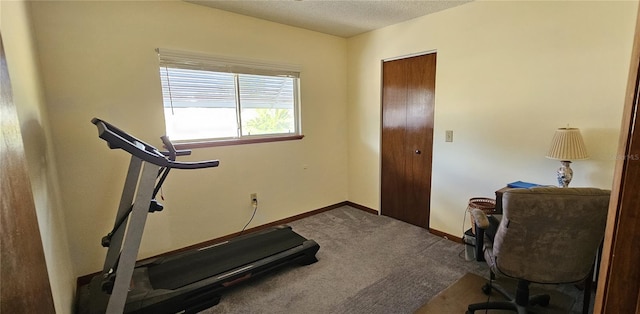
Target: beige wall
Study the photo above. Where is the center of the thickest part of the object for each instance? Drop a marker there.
(22, 61)
(98, 60)
(508, 74)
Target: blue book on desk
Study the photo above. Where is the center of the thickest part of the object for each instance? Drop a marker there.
(522, 185)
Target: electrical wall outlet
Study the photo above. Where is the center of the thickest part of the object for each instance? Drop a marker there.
(254, 198)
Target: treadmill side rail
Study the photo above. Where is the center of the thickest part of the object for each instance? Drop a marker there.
(143, 298)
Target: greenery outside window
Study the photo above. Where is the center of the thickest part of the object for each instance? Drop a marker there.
(217, 101)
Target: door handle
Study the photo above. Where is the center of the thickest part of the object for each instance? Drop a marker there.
(418, 152)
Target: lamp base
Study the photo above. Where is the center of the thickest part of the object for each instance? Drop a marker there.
(565, 174)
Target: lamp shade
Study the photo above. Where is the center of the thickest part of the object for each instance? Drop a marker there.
(567, 144)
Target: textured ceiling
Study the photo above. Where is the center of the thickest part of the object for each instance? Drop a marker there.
(339, 18)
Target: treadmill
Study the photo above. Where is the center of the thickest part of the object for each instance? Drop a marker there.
(186, 282)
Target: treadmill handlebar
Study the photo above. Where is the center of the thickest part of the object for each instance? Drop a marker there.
(181, 152)
(118, 139)
(172, 150)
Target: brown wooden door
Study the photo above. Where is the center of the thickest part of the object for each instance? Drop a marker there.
(619, 278)
(408, 92)
(24, 287)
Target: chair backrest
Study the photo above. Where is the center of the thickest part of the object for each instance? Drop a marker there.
(550, 235)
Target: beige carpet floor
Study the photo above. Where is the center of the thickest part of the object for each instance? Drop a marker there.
(367, 264)
(467, 290)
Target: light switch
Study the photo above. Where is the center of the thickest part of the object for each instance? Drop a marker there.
(448, 136)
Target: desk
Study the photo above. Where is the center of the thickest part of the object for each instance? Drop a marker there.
(499, 199)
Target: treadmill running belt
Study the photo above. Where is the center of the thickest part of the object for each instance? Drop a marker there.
(187, 268)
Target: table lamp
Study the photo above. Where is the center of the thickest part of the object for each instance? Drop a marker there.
(567, 145)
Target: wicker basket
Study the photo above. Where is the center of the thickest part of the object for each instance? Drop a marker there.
(487, 205)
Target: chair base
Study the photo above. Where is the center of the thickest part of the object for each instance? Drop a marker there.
(519, 303)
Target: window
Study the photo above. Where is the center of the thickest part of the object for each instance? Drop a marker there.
(208, 99)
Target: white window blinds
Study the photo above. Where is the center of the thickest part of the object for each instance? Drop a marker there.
(196, 61)
(258, 93)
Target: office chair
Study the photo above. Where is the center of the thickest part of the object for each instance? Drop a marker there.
(547, 235)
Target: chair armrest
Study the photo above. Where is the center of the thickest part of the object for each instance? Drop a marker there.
(480, 218)
(481, 222)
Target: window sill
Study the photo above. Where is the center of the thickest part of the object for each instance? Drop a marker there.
(204, 144)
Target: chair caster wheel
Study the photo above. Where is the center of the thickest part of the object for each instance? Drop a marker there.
(486, 289)
(544, 302)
